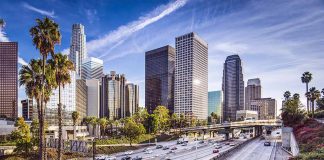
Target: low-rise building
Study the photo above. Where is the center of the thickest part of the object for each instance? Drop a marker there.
(246, 114)
(266, 108)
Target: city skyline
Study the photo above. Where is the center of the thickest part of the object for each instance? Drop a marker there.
(259, 60)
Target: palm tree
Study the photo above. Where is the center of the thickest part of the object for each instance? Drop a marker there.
(306, 78)
(322, 92)
(103, 122)
(87, 121)
(93, 122)
(75, 117)
(287, 95)
(313, 95)
(214, 116)
(62, 66)
(45, 35)
(296, 96)
(2, 23)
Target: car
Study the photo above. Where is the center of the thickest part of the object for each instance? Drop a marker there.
(218, 146)
(111, 158)
(170, 152)
(128, 152)
(184, 144)
(278, 133)
(227, 143)
(174, 148)
(126, 158)
(159, 146)
(215, 151)
(146, 149)
(232, 144)
(166, 147)
(148, 152)
(137, 158)
(201, 142)
(244, 137)
(267, 143)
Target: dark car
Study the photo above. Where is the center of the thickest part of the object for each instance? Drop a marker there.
(174, 148)
(267, 143)
(126, 158)
(159, 146)
(215, 151)
(166, 147)
(137, 158)
(227, 143)
(201, 142)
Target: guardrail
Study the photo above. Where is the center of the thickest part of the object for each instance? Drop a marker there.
(224, 155)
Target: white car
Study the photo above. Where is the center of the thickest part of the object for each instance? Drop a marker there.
(146, 149)
(148, 152)
(111, 158)
(128, 152)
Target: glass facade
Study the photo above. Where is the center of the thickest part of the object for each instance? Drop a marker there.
(81, 98)
(215, 103)
(159, 78)
(252, 91)
(8, 79)
(131, 99)
(233, 87)
(112, 101)
(78, 51)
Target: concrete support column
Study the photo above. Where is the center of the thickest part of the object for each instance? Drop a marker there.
(227, 132)
(254, 130)
(232, 131)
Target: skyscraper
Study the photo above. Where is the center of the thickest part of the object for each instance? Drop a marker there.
(27, 109)
(191, 76)
(233, 87)
(81, 98)
(78, 51)
(8, 79)
(68, 100)
(93, 108)
(92, 68)
(112, 101)
(215, 103)
(159, 78)
(131, 99)
(252, 91)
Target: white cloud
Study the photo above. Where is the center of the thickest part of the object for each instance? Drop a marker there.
(3, 37)
(101, 45)
(66, 51)
(22, 61)
(40, 11)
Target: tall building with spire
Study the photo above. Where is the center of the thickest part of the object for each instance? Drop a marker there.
(233, 87)
(191, 76)
(78, 50)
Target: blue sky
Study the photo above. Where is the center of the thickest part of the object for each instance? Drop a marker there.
(277, 40)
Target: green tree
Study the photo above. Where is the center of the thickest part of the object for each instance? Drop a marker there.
(34, 129)
(62, 66)
(313, 95)
(174, 120)
(287, 95)
(75, 118)
(93, 122)
(45, 35)
(306, 78)
(103, 122)
(292, 113)
(161, 119)
(132, 130)
(215, 117)
(22, 136)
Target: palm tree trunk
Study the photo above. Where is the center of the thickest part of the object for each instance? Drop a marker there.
(60, 125)
(41, 151)
(74, 130)
(313, 109)
(307, 98)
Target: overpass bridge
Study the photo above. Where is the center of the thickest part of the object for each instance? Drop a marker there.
(228, 128)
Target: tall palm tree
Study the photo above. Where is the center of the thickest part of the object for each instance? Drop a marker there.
(322, 92)
(103, 122)
(306, 78)
(87, 121)
(62, 66)
(75, 117)
(45, 35)
(287, 95)
(2, 23)
(313, 95)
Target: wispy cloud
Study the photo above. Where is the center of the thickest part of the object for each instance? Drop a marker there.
(40, 11)
(22, 61)
(3, 37)
(101, 45)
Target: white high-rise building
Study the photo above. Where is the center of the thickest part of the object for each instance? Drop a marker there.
(191, 76)
(92, 68)
(78, 51)
(93, 97)
(68, 100)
